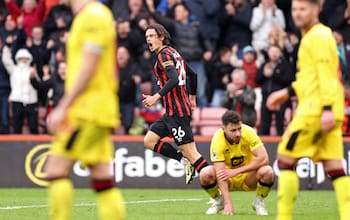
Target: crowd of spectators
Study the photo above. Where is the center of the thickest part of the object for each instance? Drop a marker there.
(242, 50)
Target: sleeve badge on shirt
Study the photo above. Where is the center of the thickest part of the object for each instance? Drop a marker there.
(168, 63)
(213, 154)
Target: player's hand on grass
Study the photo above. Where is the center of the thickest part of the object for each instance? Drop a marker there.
(228, 209)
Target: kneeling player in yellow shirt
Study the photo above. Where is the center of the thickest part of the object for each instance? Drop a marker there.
(241, 164)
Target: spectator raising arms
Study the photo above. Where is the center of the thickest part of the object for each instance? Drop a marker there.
(265, 16)
(23, 97)
(37, 46)
(33, 13)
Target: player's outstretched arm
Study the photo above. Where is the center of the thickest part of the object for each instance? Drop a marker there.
(88, 69)
(276, 99)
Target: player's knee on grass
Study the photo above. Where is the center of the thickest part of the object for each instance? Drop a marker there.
(207, 176)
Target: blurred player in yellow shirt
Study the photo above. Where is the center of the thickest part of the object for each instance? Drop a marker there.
(316, 128)
(86, 115)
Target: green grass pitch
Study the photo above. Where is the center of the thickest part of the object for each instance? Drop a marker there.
(164, 204)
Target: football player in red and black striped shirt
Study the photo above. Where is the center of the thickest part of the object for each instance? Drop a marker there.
(171, 72)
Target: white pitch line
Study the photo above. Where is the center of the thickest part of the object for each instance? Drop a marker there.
(161, 200)
(94, 204)
(22, 207)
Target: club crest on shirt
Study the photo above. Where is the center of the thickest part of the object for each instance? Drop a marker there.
(245, 147)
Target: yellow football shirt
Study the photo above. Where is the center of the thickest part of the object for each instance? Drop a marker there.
(93, 28)
(318, 78)
(234, 155)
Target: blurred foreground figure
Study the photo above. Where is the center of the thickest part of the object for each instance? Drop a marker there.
(316, 128)
(82, 122)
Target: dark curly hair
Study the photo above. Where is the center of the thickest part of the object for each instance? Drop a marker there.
(161, 31)
(230, 116)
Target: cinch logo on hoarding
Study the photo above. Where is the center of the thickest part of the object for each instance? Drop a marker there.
(146, 165)
(34, 164)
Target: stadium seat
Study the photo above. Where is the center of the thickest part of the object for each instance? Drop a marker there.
(196, 118)
(211, 115)
(210, 119)
(208, 130)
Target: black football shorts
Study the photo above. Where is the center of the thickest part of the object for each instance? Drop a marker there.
(179, 128)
